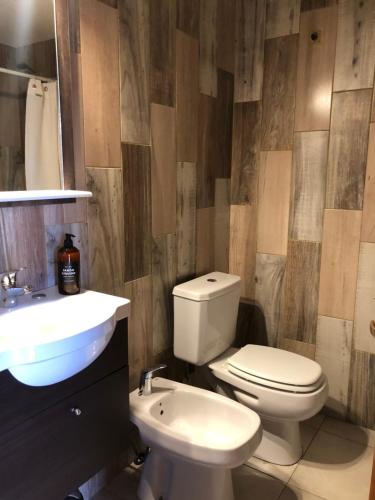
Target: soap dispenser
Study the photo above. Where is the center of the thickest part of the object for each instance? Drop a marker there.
(68, 264)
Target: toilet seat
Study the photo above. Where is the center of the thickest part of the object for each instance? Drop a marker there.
(303, 389)
(276, 369)
(270, 399)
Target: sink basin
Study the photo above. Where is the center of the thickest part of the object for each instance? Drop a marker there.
(48, 339)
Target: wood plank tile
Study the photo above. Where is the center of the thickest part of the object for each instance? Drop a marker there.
(162, 52)
(280, 64)
(75, 212)
(372, 486)
(274, 194)
(333, 351)
(245, 152)
(222, 220)
(23, 244)
(249, 50)
(139, 327)
(164, 265)
(186, 220)
(54, 236)
(134, 71)
(362, 389)
(242, 246)
(187, 96)
(207, 152)
(137, 210)
(105, 229)
(205, 256)
(368, 221)
(207, 47)
(308, 185)
(373, 107)
(67, 83)
(269, 278)
(224, 125)
(225, 34)
(110, 3)
(163, 169)
(365, 299)
(355, 52)
(298, 347)
(12, 166)
(188, 17)
(300, 300)
(338, 273)
(53, 213)
(282, 17)
(348, 149)
(100, 76)
(10, 130)
(316, 4)
(315, 69)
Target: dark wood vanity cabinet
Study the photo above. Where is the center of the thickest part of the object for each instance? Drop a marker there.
(54, 438)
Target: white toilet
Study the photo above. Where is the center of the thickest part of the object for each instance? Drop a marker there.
(282, 387)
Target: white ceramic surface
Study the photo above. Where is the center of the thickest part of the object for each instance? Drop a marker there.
(42, 194)
(281, 411)
(44, 341)
(206, 326)
(196, 437)
(196, 424)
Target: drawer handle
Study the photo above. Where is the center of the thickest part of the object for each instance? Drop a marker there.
(76, 412)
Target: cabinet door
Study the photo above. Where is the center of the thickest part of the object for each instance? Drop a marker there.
(56, 451)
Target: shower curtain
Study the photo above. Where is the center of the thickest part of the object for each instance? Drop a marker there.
(42, 148)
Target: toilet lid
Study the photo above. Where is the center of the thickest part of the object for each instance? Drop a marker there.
(276, 365)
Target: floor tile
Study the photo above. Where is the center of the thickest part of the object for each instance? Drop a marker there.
(335, 468)
(349, 431)
(282, 472)
(105, 495)
(315, 421)
(124, 486)
(251, 484)
(294, 493)
(307, 435)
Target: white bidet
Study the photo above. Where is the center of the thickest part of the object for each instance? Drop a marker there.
(196, 438)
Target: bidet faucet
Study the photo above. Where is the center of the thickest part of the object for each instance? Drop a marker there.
(9, 289)
(145, 380)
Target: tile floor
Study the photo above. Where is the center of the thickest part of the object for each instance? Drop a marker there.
(336, 465)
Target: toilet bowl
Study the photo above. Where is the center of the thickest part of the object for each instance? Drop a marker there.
(196, 437)
(282, 387)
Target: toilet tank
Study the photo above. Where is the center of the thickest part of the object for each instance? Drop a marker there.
(205, 316)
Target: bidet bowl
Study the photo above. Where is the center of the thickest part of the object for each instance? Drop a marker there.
(195, 425)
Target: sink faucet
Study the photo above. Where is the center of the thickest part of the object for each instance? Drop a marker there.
(145, 381)
(9, 289)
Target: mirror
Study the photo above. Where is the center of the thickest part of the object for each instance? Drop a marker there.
(30, 124)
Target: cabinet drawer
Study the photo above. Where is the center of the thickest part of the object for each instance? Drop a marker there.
(19, 402)
(56, 451)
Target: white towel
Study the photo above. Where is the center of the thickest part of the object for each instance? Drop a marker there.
(42, 140)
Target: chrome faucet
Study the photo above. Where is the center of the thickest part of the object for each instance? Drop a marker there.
(9, 288)
(145, 381)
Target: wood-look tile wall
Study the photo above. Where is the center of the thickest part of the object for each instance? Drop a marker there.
(157, 143)
(153, 99)
(302, 230)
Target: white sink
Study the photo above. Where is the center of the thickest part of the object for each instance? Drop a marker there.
(46, 340)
